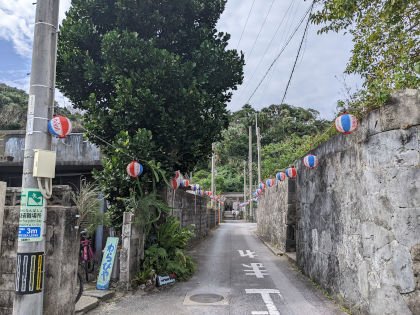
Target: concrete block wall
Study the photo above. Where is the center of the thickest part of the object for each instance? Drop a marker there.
(132, 250)
(358, 213)
(62, 248)
(189, 209)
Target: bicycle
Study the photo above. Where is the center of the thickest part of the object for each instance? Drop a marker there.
(80, 290)
(86, 254)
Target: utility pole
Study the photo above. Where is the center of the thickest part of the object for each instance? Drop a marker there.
(259, 154)
(257, 131)
(213, 186)
(244, 181)
(250, 172)
(31, 252)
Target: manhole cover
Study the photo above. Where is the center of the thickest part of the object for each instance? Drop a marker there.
(206, 298)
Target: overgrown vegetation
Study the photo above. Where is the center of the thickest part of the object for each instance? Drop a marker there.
(166, 255)
(88, 205)
(386, 51)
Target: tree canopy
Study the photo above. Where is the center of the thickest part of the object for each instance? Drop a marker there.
(386, 42)
(285, 129)
(160, 66)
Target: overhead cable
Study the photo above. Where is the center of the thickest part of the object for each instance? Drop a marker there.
(269, 45)
(261, 28)
(279, 54)
(297, 56)
(246, 22)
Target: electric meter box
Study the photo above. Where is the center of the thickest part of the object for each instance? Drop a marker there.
(44, 163)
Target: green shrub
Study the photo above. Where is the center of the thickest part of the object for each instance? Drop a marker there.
(166, 255)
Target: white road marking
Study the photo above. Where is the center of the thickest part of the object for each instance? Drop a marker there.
(248, 253)
(265, 294)
(257, 269)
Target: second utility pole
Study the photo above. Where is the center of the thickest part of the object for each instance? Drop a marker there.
(213, 187)
(250, 173)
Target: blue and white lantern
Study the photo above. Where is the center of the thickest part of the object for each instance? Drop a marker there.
(346, 123)
(310, 161)
(281, 176)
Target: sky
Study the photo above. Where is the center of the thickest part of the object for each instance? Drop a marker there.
(317, 82)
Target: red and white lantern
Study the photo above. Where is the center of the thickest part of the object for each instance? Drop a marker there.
(59, 126)
(134, 169)
(291, 172)
(185, 183)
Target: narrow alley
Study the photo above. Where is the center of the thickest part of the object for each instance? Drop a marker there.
(236, 274)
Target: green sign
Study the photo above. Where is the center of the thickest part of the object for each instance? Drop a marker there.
(32, 215)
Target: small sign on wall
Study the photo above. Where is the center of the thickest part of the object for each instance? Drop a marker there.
(107, 263)
(32, 215)
(164, 280)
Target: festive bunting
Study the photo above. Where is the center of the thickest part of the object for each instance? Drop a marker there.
(185, 183)
(261, 186)
(134, 169)
(60, 126)
(346, 123)
(281, 176)
(175, 183)
(270, 182)
(310, 161)
(291, 172)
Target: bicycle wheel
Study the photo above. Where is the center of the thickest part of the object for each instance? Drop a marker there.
(80, 291)
(85, 265)
(90, 265)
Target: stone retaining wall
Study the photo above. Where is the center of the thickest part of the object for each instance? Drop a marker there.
(358, 212)
(191, 209)
(277, 215)
(358, 228)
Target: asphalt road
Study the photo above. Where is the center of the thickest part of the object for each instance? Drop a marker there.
(236, 274)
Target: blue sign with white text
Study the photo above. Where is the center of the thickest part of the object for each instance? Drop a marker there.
(29, 232)
(107, 263)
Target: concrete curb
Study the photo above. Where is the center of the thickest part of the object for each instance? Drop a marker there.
(91, 299)
(274, 250)
(291, 256)
(85, 304)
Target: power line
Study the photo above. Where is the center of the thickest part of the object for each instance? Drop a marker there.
(246, 22)
(269, 45)
(281, 51)
(297, 56)
(261, 28)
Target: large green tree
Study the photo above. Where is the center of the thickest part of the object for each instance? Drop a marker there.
(159, 66)
(386, 42)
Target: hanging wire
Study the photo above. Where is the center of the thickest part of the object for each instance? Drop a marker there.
(246, 22)
(268, 46)
(261, 28)
(297, 56)
(279, 54)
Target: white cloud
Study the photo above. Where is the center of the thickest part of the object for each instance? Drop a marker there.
(17, 19)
